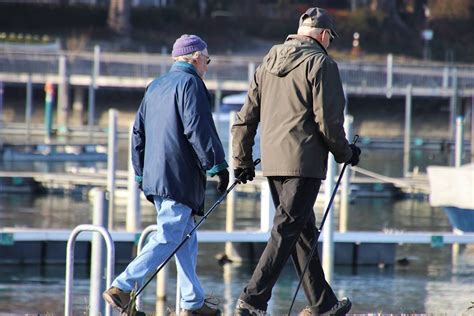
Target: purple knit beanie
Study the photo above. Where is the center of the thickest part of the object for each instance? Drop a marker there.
(187, 44)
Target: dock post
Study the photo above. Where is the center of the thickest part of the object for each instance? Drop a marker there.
(92, 87)
(389, 79)
(328, 229)
(251, 71)
(48, 111)
(161, 281)
(217, 105)
(29, 106)
(163, 65)
(1, 102)
(78, 106)
(63, 98)
(97, 286)
(178, 294)
(111, 164)
(453, 104)
(230, 200)
(267, 207)
(472, 128)
(346, 182)
(407, 134)
(445, 77)
(133, 223)
(459, 142)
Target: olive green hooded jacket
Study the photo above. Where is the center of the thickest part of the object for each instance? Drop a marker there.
(297, 95)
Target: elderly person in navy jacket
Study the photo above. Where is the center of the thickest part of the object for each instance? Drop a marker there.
(174, 143)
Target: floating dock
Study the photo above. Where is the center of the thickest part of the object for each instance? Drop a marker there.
(48, 246)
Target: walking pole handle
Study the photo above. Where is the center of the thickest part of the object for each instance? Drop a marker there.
(355, 139)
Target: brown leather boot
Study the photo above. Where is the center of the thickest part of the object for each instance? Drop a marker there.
(116, 297)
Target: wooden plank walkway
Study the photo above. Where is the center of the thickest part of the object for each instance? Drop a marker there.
(418, 184)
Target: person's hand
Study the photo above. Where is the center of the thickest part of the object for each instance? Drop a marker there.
(223, 181)
(244, 174)
(355, 155)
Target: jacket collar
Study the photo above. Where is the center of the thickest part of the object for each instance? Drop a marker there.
(184, 66)
(304, 38)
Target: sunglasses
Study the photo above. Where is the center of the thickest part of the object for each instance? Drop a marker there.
(331, 37)
(208, 60)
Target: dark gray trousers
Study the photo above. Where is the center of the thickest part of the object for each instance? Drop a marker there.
(293, 234)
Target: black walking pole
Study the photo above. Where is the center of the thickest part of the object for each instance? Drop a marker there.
(129, 309)
(315, 244)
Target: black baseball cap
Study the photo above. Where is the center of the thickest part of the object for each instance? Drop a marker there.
(317, 17)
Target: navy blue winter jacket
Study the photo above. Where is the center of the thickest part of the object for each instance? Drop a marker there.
(174, 138)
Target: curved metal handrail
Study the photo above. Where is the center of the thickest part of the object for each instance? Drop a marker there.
(70, 263)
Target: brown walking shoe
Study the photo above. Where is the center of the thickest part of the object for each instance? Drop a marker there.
(116, 297)
(205, 310)
(341, 308)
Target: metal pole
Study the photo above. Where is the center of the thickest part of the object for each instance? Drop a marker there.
(97, 286)
(445, 77)
(29, 106)
(389, 75)
(217, 105)
(48, 111)
(161, 284)
(251, 71)
(111, 164)
(163, 65)
(178, 295)
(459, 142)
(78, 105)
(328, 229)
(267, 207)
(346, 182)
(133, 203)
(453, 104)
(230, 201)
(93, 86)
(1, 102)
(62, 109)
(407, 134)
(472, 128)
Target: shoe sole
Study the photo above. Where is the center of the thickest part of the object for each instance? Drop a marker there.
(344, 311)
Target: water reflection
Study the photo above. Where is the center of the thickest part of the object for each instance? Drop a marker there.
(429, 284)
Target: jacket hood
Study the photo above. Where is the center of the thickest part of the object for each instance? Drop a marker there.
(283, 58)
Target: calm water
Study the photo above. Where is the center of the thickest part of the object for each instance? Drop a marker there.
(433, 282)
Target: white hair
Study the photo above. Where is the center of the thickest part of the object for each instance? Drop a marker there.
(188, 58)
(308, 30)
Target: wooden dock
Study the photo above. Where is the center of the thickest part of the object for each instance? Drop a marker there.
(370, 184)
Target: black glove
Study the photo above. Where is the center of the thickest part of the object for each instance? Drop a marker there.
(355, 155)
(244, 174)
(223, 181)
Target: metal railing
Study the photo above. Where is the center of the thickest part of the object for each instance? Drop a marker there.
(389, 74)
(70, 263)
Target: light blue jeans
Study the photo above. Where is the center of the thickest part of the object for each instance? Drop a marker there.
(174, 221)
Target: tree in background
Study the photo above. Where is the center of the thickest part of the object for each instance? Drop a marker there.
(453, 9)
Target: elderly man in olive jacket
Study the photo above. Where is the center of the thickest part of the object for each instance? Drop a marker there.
(297, 96)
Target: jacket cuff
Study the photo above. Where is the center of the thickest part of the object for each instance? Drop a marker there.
(138, 179)
(217, 168)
